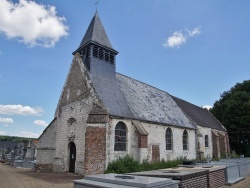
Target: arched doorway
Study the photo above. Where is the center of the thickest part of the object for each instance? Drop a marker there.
(72, 157)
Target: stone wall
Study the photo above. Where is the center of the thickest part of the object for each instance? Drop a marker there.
(46, 147)
(208, 151)
(71, 132)
(156, 137)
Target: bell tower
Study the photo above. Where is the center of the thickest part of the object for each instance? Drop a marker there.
(96, 45)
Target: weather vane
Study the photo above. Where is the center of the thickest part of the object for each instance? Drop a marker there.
(96, 4)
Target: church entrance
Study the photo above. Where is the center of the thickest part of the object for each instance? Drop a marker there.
(72, 157)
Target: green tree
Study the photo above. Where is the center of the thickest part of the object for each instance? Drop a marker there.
(233, 110)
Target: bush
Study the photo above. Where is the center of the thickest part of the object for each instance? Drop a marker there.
(123, 165)
(128, 164)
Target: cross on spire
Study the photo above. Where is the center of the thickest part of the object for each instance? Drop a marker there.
(96, 4)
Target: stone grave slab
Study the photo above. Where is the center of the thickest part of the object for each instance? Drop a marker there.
(121, 180)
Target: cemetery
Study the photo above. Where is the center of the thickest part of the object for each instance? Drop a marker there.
(20, 154)
(213, 174)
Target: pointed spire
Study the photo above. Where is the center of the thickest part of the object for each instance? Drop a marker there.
(96, 33)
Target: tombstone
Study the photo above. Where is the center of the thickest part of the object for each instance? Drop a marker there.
(120, 180)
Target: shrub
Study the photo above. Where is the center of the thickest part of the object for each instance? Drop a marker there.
(127, 164)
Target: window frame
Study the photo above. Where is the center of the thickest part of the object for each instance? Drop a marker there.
(206, 141)
(185, 140)
(169, 139)
(120, 142)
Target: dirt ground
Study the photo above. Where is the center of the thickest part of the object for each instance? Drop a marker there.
(11, 177)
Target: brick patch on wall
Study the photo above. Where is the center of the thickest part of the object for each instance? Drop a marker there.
(142, 141)
(95, 150)
(215, 145)
(222, 141)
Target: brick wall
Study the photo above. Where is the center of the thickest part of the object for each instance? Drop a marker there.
(95, 150)
(216, 178)
(215, 145)
(199, 181)
(222, 142)
(142, 141)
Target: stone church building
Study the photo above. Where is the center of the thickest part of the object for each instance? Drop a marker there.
(102, 115)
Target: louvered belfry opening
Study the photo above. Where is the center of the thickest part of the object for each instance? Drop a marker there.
(96, 44)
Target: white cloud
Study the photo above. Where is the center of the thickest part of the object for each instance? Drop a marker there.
(178, 38)
(6, 120)
(27, 134)
(31, 23)
(175, 40)
(20, 110)
(207, 107)
(3, 133)
(6, 125)
(41, 122)
(195, 31)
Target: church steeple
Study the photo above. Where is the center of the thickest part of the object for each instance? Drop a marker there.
(95, 42)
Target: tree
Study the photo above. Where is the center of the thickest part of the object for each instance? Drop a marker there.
(233, 110)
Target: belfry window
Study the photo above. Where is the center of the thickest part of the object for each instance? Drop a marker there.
(169, 139)
(100, 53)
(112, 59)
(185, 140)
(106, 56)
(206, 140)
(87, 52)
(120, 137)
(95, 51)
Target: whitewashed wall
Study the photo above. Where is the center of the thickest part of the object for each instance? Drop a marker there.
(207, 150)
(156, 137)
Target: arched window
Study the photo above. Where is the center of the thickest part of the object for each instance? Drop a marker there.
(185, 140)
(120, 137)
(169, 139)
(206, 140)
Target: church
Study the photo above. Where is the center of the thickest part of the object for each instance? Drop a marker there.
(103, 115)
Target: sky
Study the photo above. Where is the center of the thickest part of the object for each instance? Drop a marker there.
(194, 50)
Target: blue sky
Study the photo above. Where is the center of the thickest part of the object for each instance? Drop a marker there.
(194, 50)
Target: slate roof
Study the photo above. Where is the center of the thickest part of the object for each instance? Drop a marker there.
(96, 33)
(8, 145)
(104, 81)
(151, 104)
(199, 115)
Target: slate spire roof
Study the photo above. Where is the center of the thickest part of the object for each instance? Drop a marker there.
(95, 34)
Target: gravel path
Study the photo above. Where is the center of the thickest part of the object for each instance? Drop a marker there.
(11, 177)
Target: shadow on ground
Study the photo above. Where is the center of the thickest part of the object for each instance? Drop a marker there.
(56, 178)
